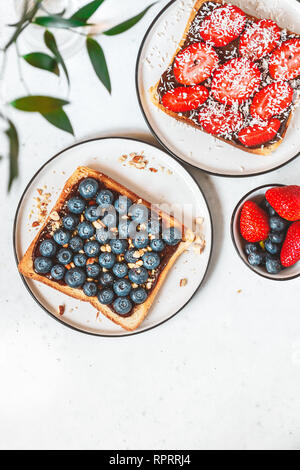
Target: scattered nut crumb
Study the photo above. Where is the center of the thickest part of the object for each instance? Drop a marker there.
(183, 282)
(61, 310)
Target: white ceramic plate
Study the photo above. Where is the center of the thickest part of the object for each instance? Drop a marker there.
(185, 142)
(170, 184)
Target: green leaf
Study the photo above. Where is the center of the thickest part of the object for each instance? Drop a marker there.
(51, 43)
(14, 146)
(58, 22)
(42, 61)
(59, 119)
(38, 104)
(87, 11)
(126, 25)
(26, 18)
(98, 61)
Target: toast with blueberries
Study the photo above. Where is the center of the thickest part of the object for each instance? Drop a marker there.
(233, 76)
(105, 245)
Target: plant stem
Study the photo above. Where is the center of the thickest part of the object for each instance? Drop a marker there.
(20, 69)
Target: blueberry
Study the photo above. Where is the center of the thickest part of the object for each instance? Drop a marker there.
(122, 287)
(120, 269)
(109, 220)
(138, 295)
(277, 224)
(138, 213)
(277, 237)
(93, 270)
(42, 265)
(58, 272)
(151, 260)
(273, 265)
(75, 277)
(141, 240)
(70, 221)
(61, 237)
(107, 260)
(106, 296)
(256, 259)
(92, 213)
(154, 227)
(88, 188)
(76, 205)
(118, 246)
(122, 205)
(124, 229)
(105, 198)
(106, 279)
(138, 275)
(266, 206)
(122, 306)
(157, 244)
(171, 236)
(272, 248)
(86, 230)
(102, 235)
(76, 244)
(92, 248)
(129, 256)
(64, 256)
(90, 289)
(80, 260)
(251, 248)
(48, 248)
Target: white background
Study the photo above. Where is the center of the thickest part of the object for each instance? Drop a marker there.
(223, 374)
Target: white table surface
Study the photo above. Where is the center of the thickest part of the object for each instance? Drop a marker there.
(223, 374)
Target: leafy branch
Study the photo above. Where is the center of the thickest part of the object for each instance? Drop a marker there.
(51, 108)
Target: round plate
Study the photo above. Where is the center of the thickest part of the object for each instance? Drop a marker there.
(185, 142)
(171, 184)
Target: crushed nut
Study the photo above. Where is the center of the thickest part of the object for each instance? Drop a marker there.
(98, 224)
(61, 309)
(183, 282)
(54, 216)
(199, 220)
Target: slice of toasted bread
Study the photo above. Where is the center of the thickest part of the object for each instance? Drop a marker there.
(263, 150)
(139, 312)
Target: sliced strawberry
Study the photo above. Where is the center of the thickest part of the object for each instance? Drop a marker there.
(290, 253)
(236, 80)
(254, 223)
(259, 134)
(218, 120)
(272, 100)
(195, 63)
(285, 61)
(285, 201)
(223, 25)
(259, 39)
(183, 99)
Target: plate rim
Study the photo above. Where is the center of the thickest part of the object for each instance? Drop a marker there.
(72, 327)
(153, 132)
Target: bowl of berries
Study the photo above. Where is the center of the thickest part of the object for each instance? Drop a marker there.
(265, 230)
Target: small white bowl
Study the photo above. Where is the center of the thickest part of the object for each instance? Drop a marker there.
(257, 195)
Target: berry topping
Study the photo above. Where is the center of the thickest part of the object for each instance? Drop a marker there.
(138, 213)
(93, 270)
(64, 256)
(102, 235)
(75, 277)
(236, 80)
(272, 248)
(90, 289)
(105, 198)
(92, 248)
(48, 248)
(138, 275)
(285, 61)
(80, 260)
(42, 265)
(122, 287)
(118, 246)
(106, 296)
(70, 222)
(290, 253)
(122, 205)
(122, 306)
(272, 100)
(218, 120)
(157, 244)
(138, 295)
(256, 259)
(88, 188)
(259, 39)
(120, 270)
(223, 25)
(92, 213)
(76, 244)
(259, 134)
(76, 205)
(184, 99)
(86, 230)
(61, 237)
(172, 236)
(195, 63)
(141, 240)
(286, 201)
(107, 260)
(58, 272)
(254, 223)
(273, 265)
(106, 279)
(151, 260)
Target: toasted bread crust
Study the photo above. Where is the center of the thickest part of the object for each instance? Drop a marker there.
(267, 149)
(140, 312)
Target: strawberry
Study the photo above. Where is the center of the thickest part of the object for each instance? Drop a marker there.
(235, 81)
(272, 100)
(219, 120)
(259, 134)
(195, 63)
(184, 99)
(254, 223)
(290, 252)
(259, 39)
(285, 201)
(285, 61)
(223, 25)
